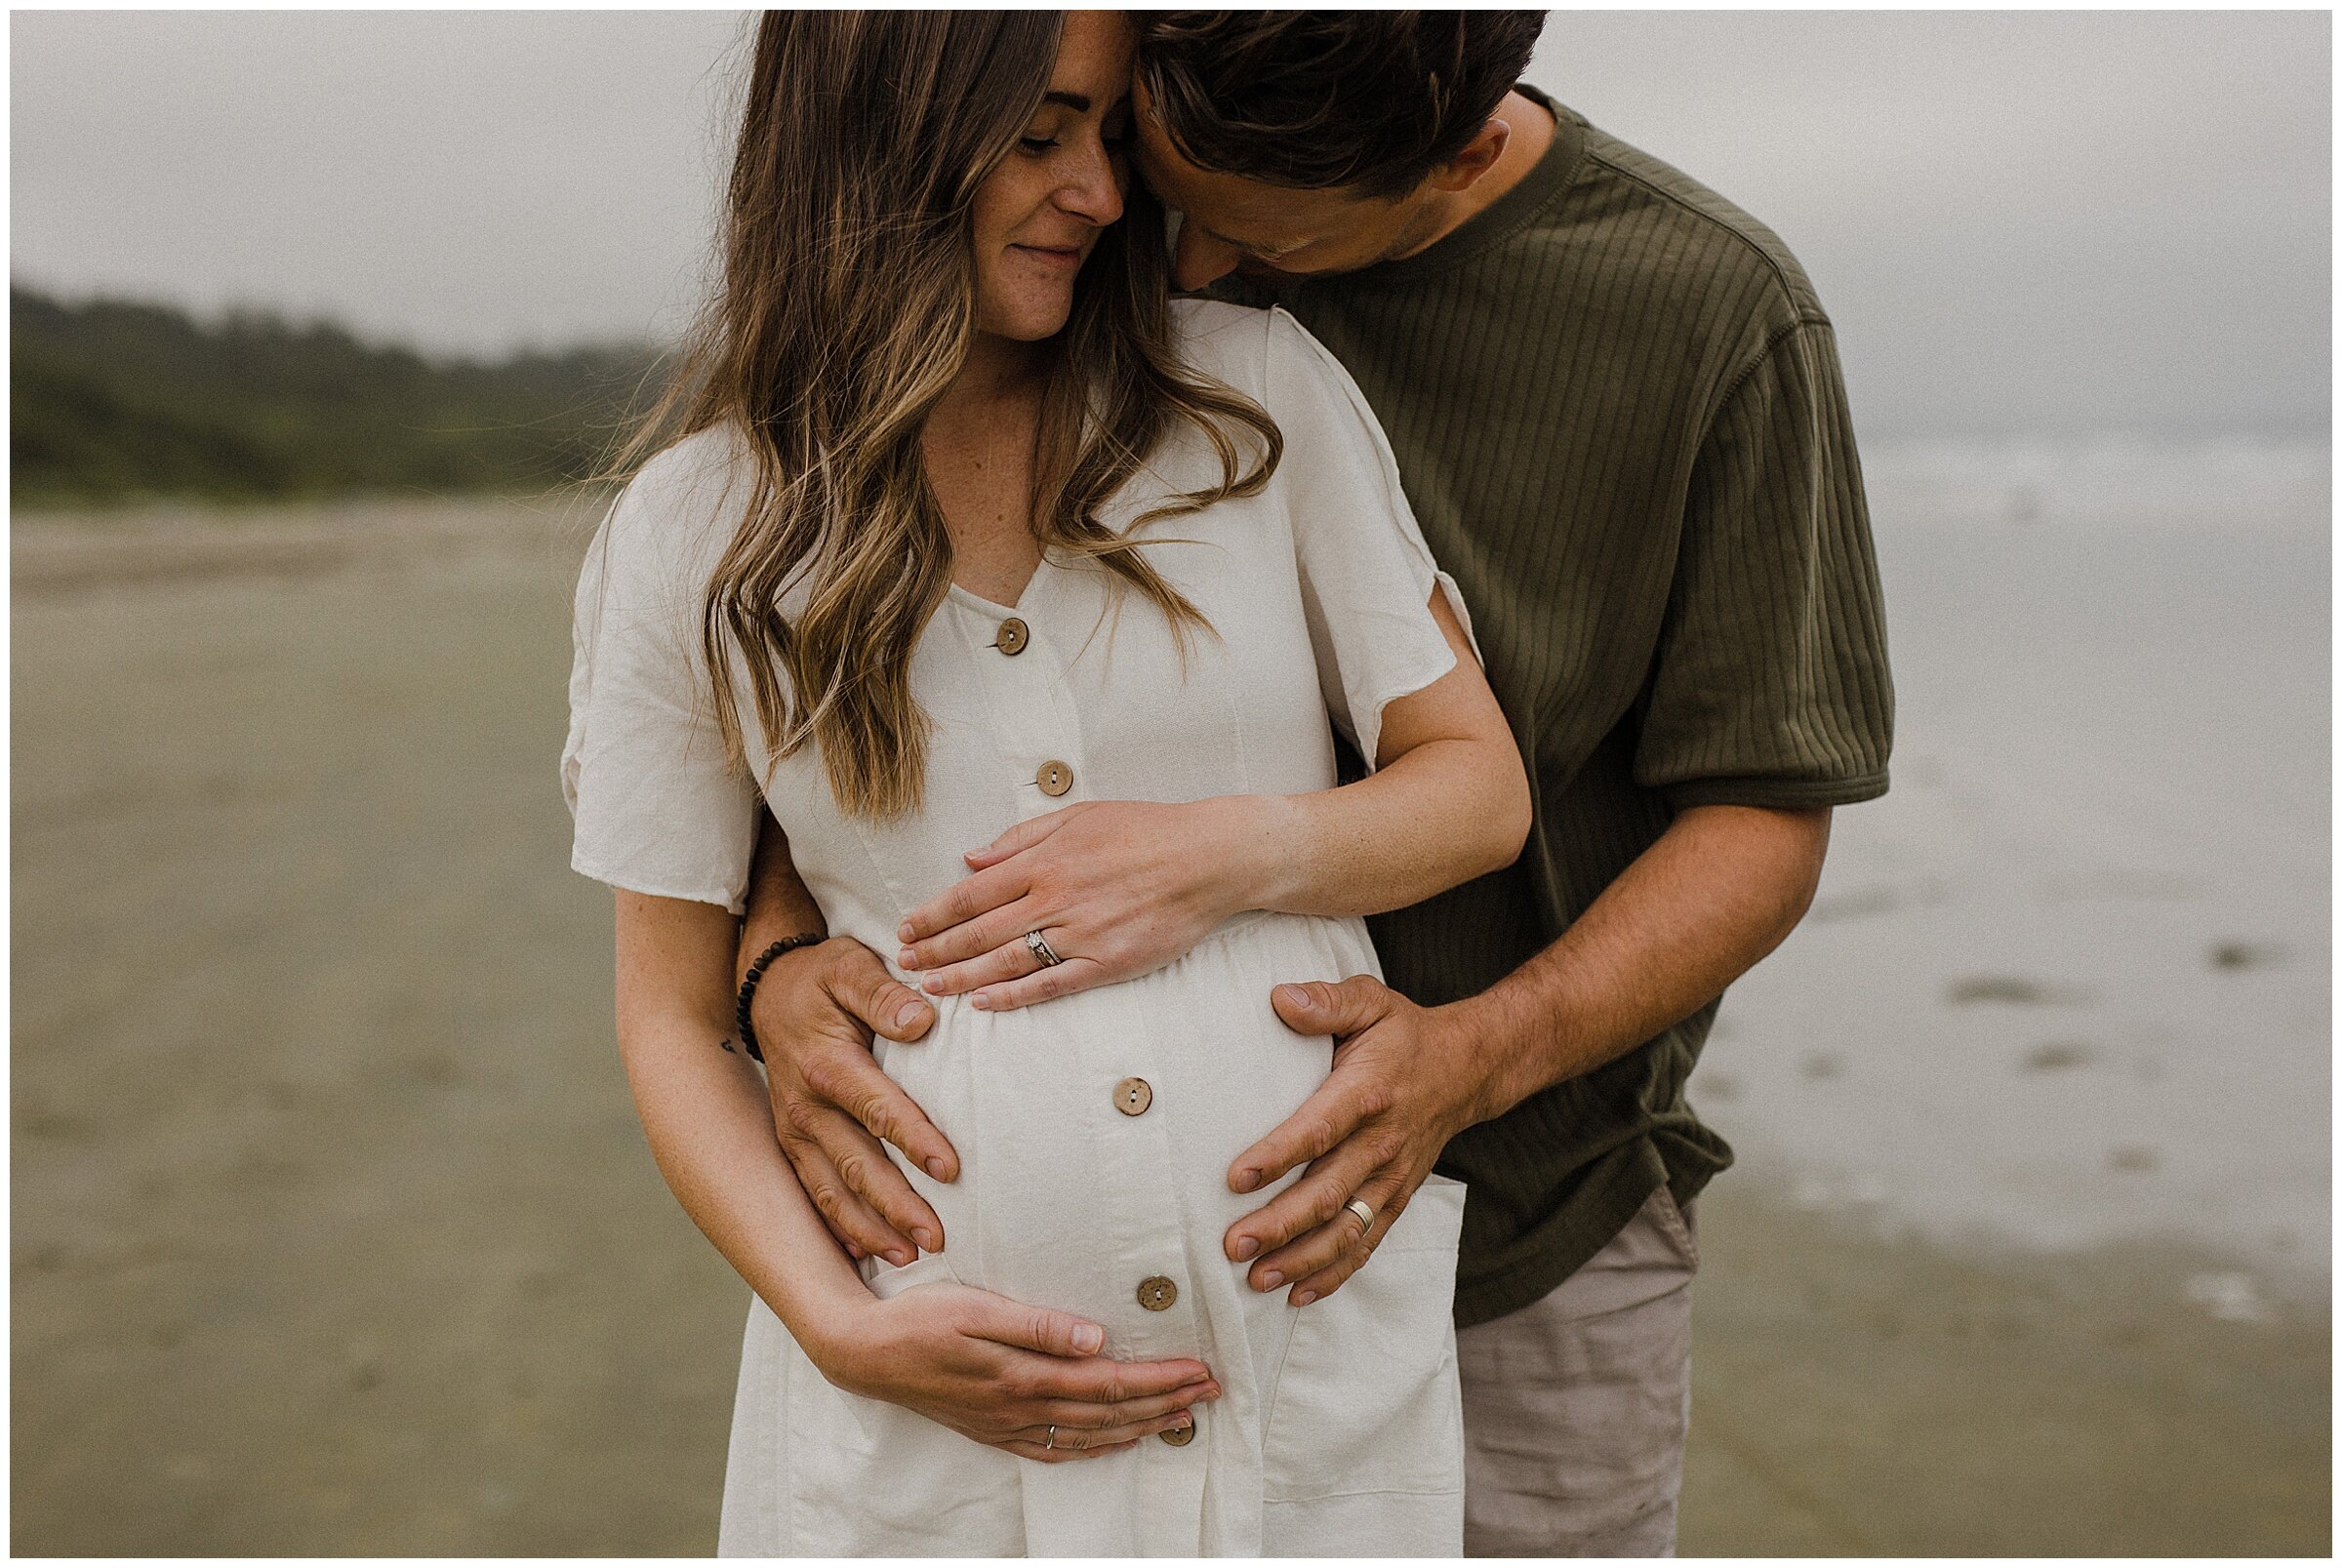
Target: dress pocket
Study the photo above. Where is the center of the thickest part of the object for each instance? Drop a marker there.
(1366, 1398)
(871, 1478)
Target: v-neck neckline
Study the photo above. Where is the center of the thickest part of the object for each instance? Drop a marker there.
(993, 607)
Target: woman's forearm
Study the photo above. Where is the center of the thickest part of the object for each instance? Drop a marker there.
(1448, 801)
(709, 1126)
(1440, 816)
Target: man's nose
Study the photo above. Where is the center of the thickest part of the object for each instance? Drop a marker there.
(1199, 260)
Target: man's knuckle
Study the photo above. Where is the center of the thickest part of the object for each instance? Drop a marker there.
(865, 1104)
(819, 1072)
(1321, 1205)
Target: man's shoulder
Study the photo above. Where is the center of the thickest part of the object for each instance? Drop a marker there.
(1645, 213)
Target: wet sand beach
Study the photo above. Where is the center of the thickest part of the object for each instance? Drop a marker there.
(334, 1231)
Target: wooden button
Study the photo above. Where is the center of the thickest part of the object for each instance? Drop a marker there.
(1054, 777)
(1178, 1437)
(1132, 1097)
(1014, 636)
(1157, 1294)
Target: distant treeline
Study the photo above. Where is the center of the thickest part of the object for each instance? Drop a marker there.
(114, 401)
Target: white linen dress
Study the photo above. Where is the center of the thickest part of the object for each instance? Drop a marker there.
(1095, 1131)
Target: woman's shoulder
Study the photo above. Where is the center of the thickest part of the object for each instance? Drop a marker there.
(1263, 354)
(1229, 343)
(675, 516)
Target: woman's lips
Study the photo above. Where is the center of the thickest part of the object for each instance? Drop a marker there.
(1069, 256)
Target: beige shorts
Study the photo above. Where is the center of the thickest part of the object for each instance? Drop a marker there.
(1576, 1407)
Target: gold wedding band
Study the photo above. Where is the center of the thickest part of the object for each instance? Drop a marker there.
(1039, 944)
(1364, 1211)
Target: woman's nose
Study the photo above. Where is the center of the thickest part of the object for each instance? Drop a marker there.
(1095, 193)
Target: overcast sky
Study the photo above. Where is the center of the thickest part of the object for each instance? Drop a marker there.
(2051, 222)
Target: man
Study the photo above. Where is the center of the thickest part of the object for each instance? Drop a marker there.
(1616, 406)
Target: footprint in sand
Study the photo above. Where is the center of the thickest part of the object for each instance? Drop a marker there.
(2057, 1056)
(2013, 989)
(1861, 904)
(2240, 955)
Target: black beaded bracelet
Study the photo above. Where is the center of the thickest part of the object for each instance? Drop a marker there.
(748, 985)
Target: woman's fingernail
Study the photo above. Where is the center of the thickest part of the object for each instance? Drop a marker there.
(925, 1238)
(1088, 1338)
(908, 959)
(899, 1258)
(909, 1013)
(1247, 1179)
(904, 931)
(979, 1001)
(1294, 995)
(1304, 1298)
(935, 1168)
(1271, 1280)
(1246, 1246)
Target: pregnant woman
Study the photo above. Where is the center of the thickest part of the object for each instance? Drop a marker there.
(967, 524)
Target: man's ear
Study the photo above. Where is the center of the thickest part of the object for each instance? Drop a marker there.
(1463, 170)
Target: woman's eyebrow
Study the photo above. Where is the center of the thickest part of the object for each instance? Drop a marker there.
(1078, 103)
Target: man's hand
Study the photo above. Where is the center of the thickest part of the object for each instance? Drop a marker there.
(814, 1012)
(1003, 1373)
(1404, 1082)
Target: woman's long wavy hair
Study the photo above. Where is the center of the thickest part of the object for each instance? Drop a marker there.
(847, 307)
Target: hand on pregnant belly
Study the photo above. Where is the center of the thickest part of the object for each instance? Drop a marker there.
(1116, 888)
(1002, 1373)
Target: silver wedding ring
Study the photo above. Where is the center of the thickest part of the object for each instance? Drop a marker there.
(1364, 1211)
(1052, 1442)
(1041, 950)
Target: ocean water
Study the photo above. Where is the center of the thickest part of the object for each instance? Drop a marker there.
(2070, 981)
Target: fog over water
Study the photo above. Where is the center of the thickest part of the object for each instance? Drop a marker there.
(2022, 223)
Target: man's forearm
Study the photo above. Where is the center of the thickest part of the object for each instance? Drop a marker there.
(1714, 894)
(778, 905)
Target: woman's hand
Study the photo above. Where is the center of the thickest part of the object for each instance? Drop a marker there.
(1116, 888)
(1003, 1373)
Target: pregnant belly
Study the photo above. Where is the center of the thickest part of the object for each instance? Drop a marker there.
(1096, 1131)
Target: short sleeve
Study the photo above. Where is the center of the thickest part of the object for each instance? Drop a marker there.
(1366, 574)
(655, 806)
(1770, 685)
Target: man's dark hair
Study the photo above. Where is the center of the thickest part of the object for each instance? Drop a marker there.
(1326, 100)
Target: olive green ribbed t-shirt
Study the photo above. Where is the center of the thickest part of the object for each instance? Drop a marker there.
(1617, 411)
